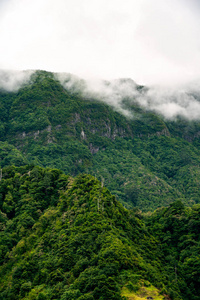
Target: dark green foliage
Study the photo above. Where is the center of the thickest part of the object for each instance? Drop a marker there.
(177, 229)
(145, 160)
(69, 238)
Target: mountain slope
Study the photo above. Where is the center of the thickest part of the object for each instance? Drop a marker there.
(145, 160)
(69, 238)
(63, 238)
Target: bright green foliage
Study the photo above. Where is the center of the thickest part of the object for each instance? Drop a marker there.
(69, 235)
(69, 238)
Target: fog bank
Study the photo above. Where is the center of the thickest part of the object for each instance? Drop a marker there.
(170, 102)
(12, 81)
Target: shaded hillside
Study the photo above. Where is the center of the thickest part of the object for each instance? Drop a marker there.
(69, 238)
(144, 160)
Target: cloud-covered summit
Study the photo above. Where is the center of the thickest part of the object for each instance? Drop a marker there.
(12, 81)
(170, 102)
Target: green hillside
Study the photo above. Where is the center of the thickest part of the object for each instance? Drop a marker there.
(145, 160)
(69, 238)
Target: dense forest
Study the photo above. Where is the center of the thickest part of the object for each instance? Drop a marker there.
(69, 238)
(145, 160)
(95, 204)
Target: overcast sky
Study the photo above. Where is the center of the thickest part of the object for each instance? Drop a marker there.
(150, 41)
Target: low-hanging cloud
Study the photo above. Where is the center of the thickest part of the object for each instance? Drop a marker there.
(169, 102)
(172, 103)
(12, 81)
(111, 92)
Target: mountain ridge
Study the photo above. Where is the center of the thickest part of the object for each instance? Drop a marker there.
(63, 234)
(69, 238)
(49, 125)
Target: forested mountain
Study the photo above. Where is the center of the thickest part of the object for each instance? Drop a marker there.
(144, 159)
(99, 194)
(70, 239)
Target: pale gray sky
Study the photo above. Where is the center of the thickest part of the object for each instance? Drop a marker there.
(150, 41)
